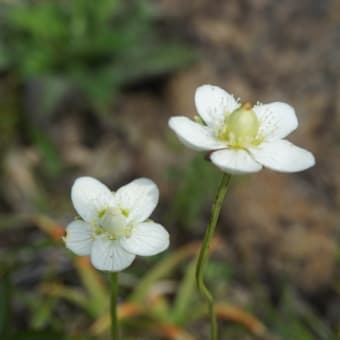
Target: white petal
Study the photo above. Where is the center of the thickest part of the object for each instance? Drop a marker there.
(235, 161)
(79, 237)
(283, 156)
(138, 199)
(148, 238)
(277, 120)
(194, 135)
(109, 255)
(212, 102)
(89, 197)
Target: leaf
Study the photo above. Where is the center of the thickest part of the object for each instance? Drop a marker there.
(93, 46)
(72, 295)
(184, 296)
(189, 202)
(162, 269)
(96, 289)
(165, 267)
(42, 313)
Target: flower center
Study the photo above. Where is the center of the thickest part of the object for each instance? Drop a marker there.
(113, 224)
(240, 128)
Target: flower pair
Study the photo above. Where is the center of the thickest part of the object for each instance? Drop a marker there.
(240, 138)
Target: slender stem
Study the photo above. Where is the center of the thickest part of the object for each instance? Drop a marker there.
(204, 252)
(114, 298)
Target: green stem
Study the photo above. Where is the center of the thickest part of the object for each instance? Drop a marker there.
(204, 252)
(114, 298)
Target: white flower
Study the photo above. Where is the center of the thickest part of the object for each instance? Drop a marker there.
(242, 138)
(115, 226)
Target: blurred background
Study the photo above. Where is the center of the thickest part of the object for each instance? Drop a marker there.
(87, 87)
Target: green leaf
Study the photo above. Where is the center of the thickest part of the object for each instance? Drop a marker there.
(189, 202)
(96, 289)
(184, 296)
(162, 269)
(98, 47)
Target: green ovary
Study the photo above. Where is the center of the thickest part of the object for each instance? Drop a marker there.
(241, 128)
(112, 224)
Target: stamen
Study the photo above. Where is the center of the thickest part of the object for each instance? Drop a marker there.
(125, 212)
(247, 106)
(199, 120)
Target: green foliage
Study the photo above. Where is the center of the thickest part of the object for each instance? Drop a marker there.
(185, 294)
(294, 319)
(53, 303)
(197, 183)
(218, 272)
(95, 46)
